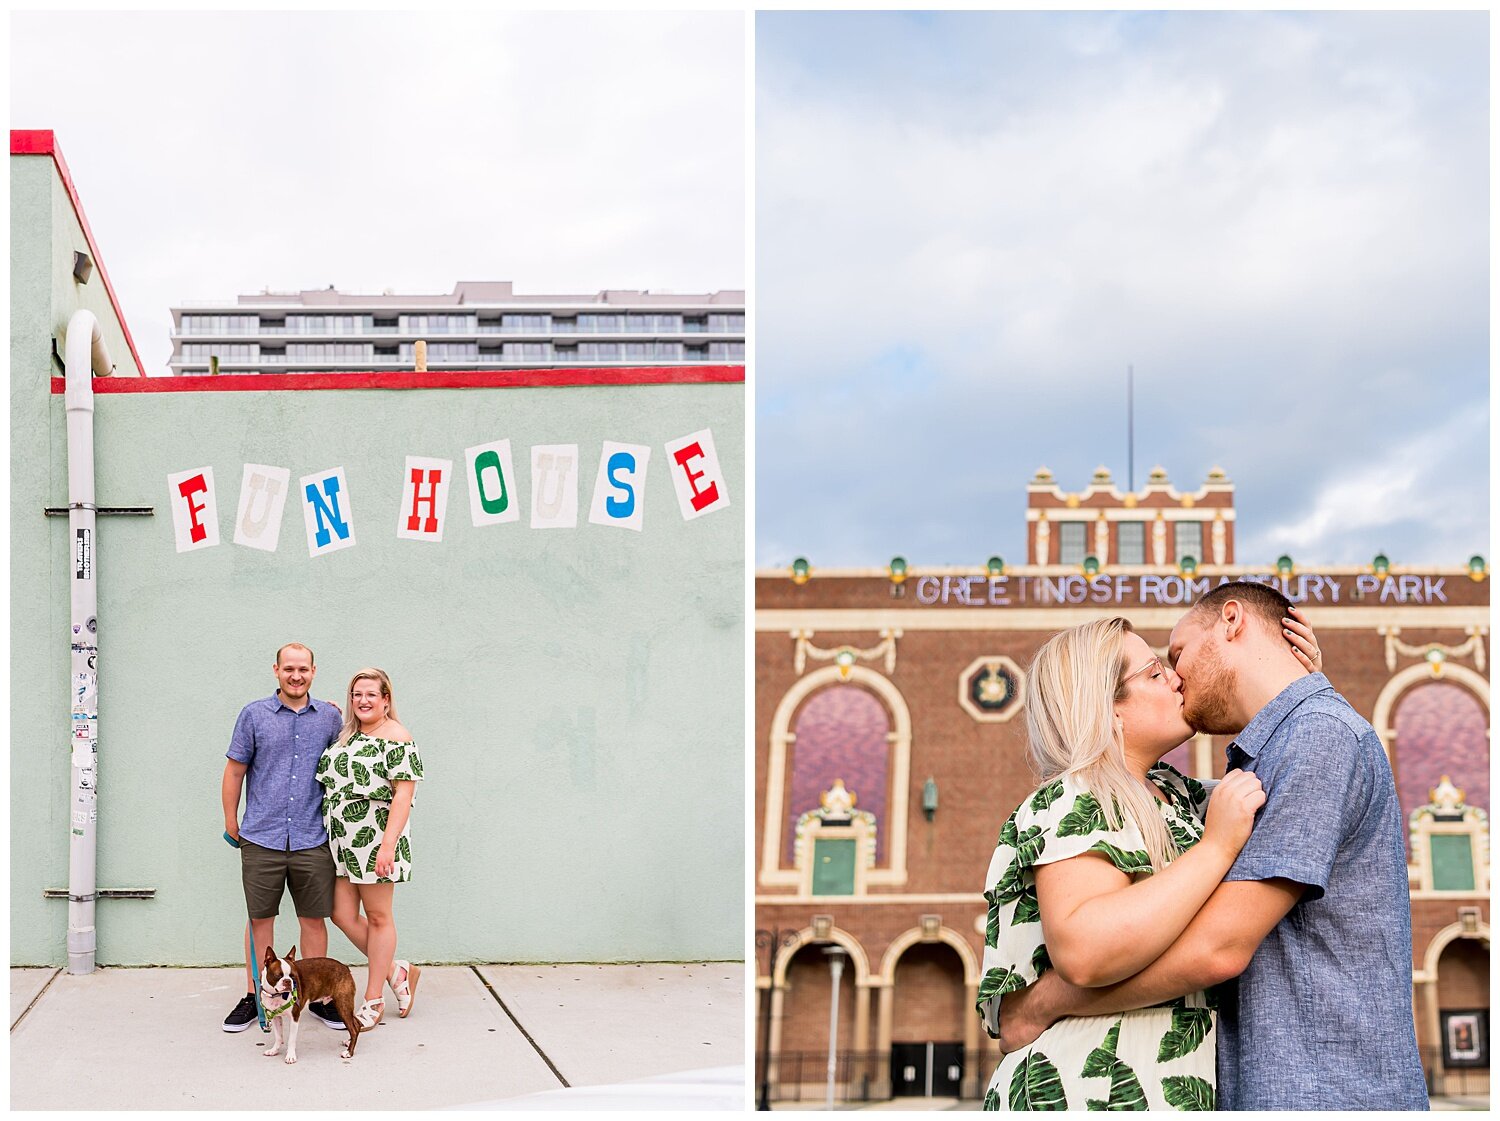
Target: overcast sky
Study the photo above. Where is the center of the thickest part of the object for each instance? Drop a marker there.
(969, 224)
(224, 153)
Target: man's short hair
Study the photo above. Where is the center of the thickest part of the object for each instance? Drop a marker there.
(1262, 600)
(295, 646)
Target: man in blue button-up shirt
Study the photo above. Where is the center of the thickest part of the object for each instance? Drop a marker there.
(274, 756)
(1314, 918)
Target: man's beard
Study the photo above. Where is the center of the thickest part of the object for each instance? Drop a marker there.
(1212, 695)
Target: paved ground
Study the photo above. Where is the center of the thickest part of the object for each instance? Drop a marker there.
(151, 1038)
(908, 1105)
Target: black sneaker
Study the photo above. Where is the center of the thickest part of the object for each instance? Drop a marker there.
(327, 1013)
(244, 1014)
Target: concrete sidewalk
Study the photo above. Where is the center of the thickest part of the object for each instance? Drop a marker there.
(152, 1038)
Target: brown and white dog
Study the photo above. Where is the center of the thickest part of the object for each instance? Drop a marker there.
(286, 987)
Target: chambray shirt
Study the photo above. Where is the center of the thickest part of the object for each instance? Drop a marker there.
(283, 800)
(1322, 1017)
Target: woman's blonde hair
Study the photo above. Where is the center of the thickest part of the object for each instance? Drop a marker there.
(351, 722)
(1075, 680)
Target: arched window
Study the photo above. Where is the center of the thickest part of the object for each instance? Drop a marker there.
(1441, 729)
(842, 734)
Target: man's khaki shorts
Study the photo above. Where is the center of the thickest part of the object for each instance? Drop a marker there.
(267, 872)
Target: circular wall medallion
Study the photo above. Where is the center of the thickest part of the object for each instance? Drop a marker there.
(989, 688)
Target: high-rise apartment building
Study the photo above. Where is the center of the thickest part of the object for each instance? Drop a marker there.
(478, 326)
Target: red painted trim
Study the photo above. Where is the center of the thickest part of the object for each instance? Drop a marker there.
(43, 142)
(442, 379)
(31, 141)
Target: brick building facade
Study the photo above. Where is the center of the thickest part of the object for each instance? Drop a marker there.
(908, 683)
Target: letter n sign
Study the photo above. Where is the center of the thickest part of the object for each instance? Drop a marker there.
(195, 514)
(694, 466)
(424, 498)
(327, 511)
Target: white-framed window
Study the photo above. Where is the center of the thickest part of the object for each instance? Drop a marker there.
(1188, 541)
(1072, 542)
(1132, 543)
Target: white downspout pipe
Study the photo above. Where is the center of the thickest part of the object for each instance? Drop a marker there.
(84, 355)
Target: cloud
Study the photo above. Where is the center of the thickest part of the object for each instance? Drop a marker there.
(1279, 219)
(566, 152)
(1407, 486)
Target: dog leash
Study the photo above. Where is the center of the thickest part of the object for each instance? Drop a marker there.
(260, 1009)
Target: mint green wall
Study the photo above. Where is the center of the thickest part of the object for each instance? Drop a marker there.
(578, 694)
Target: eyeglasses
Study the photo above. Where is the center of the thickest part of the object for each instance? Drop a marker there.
(1154, 663)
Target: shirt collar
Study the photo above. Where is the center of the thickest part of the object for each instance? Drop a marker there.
(1265, 722)
(275, 703)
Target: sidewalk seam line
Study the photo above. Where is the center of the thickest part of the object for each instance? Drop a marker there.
(56, 973)
(534, 1045)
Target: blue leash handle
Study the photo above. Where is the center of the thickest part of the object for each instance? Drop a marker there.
(260, 1011)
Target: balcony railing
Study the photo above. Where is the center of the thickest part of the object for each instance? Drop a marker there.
(1453, 1082)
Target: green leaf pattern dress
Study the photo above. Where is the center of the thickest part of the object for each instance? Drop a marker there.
(359, 780)
(1153, 1058)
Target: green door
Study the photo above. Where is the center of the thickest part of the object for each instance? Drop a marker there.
(833, 867)
(1452, 862)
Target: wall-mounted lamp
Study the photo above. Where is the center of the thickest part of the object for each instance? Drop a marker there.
(844, 659)
(83, 267)
(1091, 566)
(995, 566)
(1381, 565)
(1188, 566)
(898, 576)
(801, 571)
(1478, 570)
(929, 799)
(1284, 566)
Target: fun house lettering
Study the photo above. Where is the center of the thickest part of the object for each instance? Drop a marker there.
(327, 503)
(1167, 591)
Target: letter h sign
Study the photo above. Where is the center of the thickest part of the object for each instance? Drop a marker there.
(424, 498)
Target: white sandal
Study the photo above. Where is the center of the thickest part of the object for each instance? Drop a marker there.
(406, 990)
(370, 1013)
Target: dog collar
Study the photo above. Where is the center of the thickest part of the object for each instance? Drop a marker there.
(291, 1001)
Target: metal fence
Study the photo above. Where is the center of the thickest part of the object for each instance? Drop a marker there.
(859, 1076)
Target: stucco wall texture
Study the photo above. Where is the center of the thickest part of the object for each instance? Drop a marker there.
(578, 695)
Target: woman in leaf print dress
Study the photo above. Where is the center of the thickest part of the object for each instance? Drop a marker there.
(1099, 894)
(370, 774)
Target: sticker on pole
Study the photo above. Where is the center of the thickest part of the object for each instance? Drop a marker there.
(83, 555)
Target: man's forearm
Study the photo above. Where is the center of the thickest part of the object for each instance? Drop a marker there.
(1179, 971)
(1026, 1014)
(1217, 945)
(230, 789)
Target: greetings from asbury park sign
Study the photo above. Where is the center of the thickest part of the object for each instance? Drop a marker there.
(1129, 590)
(329, 498)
